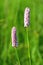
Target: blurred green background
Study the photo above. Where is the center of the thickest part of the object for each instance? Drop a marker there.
(29, 51)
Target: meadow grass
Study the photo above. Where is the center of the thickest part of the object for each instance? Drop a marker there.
(12, 14)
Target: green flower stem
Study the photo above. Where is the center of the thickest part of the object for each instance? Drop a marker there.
(28, 45)
(17, 55)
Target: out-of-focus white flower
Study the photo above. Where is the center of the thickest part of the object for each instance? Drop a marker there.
(26, 17)
(13, 36)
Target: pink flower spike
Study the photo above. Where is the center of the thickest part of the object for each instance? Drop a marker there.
(26, 17)
(13, 36)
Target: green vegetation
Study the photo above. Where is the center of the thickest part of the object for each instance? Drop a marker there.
(29, 49)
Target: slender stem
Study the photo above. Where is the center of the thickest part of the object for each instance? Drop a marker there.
(17, 56)
(29, 49)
